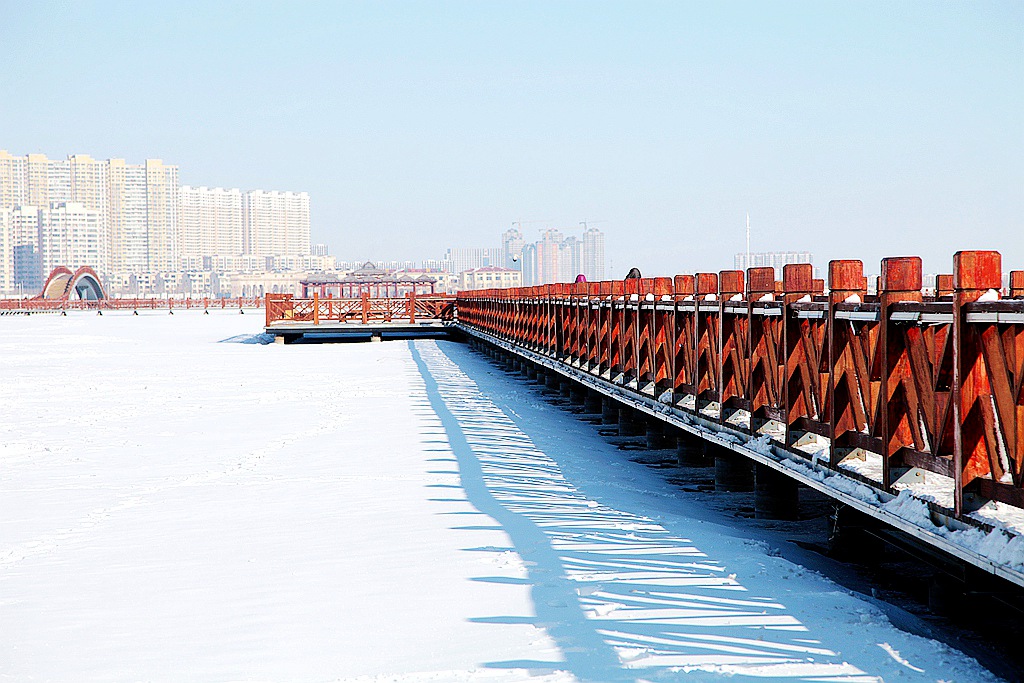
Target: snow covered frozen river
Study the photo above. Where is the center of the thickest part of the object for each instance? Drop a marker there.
(177, 504)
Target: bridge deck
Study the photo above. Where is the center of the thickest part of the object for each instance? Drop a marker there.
(293, 332)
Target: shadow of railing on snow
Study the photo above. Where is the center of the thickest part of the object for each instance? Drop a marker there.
(620, 595)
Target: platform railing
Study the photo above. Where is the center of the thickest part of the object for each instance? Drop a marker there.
(934, 381)
(410, 309)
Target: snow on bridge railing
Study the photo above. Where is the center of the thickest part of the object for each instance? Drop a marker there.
(870, 385)
(412, 308)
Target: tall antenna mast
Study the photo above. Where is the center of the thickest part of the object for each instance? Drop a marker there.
(748, 239)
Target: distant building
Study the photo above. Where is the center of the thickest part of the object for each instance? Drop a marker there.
(512, 249)
(149, 226)
(772, 259)
(261, 284)
(529, 264)
(6, 253)
(73, 236)
(443, 265)
(27, 259)
(490, 277)
(276, 223)
(210, 221)
(161, 215)
(592, 256)
(128, 218)
(462, 258)
(556, 257)
(570, 253)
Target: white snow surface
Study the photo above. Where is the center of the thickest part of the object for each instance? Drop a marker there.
(176, 508)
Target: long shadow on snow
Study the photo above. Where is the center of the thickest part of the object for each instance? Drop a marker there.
(621, 596)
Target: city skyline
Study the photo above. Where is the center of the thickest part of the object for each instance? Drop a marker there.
(853, 130)
(144, 233)
(135, 222)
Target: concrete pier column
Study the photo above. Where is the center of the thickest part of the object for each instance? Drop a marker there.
(552, 381)
(531, 372)
(776, 496)
(565, 388)
(656, 438)
(609, 411)
(849, 537)
(592, 402)
(577, 394)
(733, 472)
(630, 423)
(691, 451)
(524, 368)
(946, 596)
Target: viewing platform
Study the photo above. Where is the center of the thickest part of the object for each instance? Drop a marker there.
(328, 319)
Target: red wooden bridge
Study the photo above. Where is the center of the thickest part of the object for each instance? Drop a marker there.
(887, 390)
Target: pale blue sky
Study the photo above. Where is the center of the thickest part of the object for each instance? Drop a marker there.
(854, 130)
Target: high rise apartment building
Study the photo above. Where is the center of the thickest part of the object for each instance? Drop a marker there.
(144, 220)
(569, 259)
(26, 258)
(210, 222)
(72, 235)
(547, 256)
(592, 254)
(13, 179)
(276, 223)
(6, 251)
(161, 215)
(556, 257)
(512, 243)
(128, 217)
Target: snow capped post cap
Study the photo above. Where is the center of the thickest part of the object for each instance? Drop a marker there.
(798, 281)
(730, 282)
(684, 286)
(760, 281)
(977, 270)
(846, 280)
(901, 274)
(707, 283)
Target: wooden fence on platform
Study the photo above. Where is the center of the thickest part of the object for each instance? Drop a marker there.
(410, 309)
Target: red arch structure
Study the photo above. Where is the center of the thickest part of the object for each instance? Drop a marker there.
(65, 285)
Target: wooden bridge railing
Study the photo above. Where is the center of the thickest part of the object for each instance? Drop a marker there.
(285, 308)
(933, 382)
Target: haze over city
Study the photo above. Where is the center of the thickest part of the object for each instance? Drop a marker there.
(851, 130)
